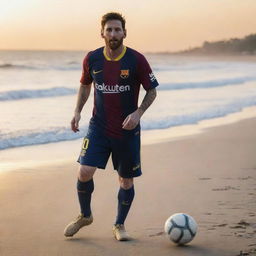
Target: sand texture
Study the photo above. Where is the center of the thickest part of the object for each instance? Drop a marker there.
(211, 176)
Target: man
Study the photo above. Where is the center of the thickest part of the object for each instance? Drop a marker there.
(116, 72)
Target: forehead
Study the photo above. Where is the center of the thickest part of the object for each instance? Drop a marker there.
(113, 24)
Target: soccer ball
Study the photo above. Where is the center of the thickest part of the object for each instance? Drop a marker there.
(180, 228)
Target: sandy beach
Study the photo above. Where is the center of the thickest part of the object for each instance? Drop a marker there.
(211, 176)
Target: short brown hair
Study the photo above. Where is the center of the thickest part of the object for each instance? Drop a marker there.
(112, 16)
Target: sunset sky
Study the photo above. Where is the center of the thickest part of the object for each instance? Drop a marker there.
(153, 25)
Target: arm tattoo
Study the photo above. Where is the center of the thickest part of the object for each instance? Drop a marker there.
(148, 100)
(83, 95)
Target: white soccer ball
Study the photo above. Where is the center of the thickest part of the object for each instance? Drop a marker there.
(180, 228)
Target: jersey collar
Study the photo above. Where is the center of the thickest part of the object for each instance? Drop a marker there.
(117, 58)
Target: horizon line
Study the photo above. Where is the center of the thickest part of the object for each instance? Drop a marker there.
(79, 50)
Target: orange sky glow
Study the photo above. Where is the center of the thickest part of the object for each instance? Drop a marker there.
(152, 25)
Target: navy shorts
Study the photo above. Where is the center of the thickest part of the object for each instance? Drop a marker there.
(125, 152)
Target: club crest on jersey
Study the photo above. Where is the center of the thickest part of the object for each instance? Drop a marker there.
(124, 73)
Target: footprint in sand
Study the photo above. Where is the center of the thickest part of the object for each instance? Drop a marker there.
(241, 224)
(220, 225)
(246, 227)
(237, 227)
(244, 223)
(245, 178)
(211, 228)
(222, 203)
(156, 234)
(250, 252)
(226, 188)
(243, 253)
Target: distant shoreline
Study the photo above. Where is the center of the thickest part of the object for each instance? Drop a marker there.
(245, 46)
(178, 54)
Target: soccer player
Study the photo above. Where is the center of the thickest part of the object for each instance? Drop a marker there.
(116, 72)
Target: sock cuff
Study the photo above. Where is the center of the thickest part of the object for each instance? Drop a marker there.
(87, 186)
(126, 194)
(129, 189)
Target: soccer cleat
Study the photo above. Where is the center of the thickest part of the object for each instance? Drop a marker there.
(120, 233)
(73, 227)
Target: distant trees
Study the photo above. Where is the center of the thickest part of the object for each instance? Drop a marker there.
(246, 45)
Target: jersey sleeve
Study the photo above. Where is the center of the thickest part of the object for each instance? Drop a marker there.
(86, 77)
(145, 74)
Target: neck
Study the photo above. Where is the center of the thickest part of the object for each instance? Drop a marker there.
(112, 54)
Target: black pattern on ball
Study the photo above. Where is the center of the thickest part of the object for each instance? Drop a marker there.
(187, 225)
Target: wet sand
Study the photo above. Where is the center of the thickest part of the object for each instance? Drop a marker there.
(211, 176)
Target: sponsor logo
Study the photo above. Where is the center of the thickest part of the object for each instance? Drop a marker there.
(96, 72)
(152, 77)
(104, 88)
(124, 73)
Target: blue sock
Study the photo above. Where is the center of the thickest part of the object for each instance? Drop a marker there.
(84, 191)
(125, 198)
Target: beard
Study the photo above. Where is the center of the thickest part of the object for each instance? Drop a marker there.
(114, 44)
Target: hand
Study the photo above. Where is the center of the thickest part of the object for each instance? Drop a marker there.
(132, 120)
(75, 122)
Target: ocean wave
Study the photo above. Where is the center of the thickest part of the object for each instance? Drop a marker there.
(187, 67)
(214, 111)
(205, 84)
(28, 138)
(68, 66)
(203, 66)
(72, 65)
(15, 66)
(57, 134)
(62, 91)
(42, 93)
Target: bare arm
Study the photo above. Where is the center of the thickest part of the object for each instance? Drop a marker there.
(133, 119)
(147, 101)
(83, 95)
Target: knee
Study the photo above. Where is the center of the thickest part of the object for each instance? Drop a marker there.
(85, 173)
(126, 183)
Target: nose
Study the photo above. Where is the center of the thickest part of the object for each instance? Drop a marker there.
(113, 33)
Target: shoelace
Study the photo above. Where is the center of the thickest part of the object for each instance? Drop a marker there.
(120, 227)
(78, 218)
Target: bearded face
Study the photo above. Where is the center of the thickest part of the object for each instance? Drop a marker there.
(114, 43)
(113, 34)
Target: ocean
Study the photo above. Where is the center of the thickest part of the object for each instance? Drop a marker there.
(38, 93)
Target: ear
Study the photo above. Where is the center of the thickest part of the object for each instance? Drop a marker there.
(101, 33)
(125, 33)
